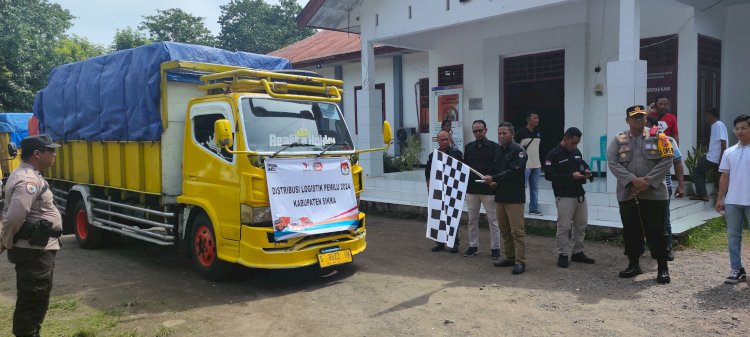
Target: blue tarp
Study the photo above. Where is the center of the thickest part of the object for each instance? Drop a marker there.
(115, 97)
(15, 123)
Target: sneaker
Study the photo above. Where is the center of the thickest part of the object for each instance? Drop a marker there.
(496, 254)
(454, 249)
(537, 213)
(518, 268)
(736, 276)
(581, 257)
(562, 261)
(438, 247)
(471, 251)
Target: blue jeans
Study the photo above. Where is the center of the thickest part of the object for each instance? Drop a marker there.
(736, 215)
(532, 181)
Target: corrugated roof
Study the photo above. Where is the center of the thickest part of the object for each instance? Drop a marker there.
(327, 46)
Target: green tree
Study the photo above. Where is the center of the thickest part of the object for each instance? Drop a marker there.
(176, 25)
(258, 27)
(76, 48)
(129, 38)
(30, 31)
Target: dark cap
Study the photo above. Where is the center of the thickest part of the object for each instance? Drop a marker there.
(636, 110)
(39, 142)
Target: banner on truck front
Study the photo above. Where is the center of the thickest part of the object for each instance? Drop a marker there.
(311, 196)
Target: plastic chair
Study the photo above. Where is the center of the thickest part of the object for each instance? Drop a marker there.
(602, 156)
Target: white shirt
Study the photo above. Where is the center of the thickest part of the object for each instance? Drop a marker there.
(736, 161)
(718, 133)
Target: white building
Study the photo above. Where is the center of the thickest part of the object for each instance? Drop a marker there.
(578, 63)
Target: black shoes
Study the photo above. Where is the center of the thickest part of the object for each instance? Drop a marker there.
(562, 261)
(663, 276)
(504, 263)
(471, 251)
(631, 271)
(454, 249)
(438, 247)
(496, 254)
(518, 268)
(581, 257)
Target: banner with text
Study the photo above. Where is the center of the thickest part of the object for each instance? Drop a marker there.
(311, 196)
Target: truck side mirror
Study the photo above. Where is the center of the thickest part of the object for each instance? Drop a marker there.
(12, 150)
(387, 133)
(223, 133)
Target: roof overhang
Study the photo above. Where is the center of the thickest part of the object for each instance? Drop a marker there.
(339, 15)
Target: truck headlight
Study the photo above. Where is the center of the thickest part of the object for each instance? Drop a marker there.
(250, 215)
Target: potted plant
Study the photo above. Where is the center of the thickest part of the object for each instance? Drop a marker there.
(693, 158)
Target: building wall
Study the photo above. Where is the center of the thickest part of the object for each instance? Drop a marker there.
(735, 68)
(588, 32)
(393, 20)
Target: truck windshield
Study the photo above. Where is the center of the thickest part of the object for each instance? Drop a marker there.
(270, 124)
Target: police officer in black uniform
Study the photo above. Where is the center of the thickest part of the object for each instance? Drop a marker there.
(565, 168)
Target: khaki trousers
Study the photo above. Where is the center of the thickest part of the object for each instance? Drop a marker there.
(473, 203)
(572, 219)
(510, 218)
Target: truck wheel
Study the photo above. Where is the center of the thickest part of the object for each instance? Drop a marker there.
(88, 236)
(203, 249)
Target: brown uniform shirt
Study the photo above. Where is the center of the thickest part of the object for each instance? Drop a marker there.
(28, 197)
(630, 156)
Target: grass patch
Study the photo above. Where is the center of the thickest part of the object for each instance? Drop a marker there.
(164, 332)
(711, 236)
(67, 317)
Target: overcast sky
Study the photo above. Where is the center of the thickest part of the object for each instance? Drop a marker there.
(99, 20)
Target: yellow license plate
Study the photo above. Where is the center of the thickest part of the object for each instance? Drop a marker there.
(334, 258)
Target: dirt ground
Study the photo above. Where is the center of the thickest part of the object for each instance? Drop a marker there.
(397, 287)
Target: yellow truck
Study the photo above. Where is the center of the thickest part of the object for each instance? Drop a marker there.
(201, 183)
(13, 128)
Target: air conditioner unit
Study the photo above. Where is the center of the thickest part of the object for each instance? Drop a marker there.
(402, 135)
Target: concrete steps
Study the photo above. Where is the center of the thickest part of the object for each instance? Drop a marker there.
(409, 188)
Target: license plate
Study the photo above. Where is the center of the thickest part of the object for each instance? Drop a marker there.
(334, 258)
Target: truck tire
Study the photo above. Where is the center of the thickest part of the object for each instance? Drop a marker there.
(203, 248)
(88, 236)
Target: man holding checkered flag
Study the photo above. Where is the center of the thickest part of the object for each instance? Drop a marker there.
(446, 179)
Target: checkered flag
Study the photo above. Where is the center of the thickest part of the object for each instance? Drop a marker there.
(448, 180)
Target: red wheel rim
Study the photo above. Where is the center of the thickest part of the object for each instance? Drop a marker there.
(204, 246)
(82, 224)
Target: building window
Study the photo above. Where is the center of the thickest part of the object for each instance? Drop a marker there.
(451, 75)
(535, 67)
(378, 87)
(424, 105)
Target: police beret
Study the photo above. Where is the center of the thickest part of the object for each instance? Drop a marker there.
(635, 110)
(39, 142)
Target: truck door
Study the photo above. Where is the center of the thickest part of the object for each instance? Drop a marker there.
(211, 173)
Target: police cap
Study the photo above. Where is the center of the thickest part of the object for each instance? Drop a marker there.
(39, 142)
(635, 110)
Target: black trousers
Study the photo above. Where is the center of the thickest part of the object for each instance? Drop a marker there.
(34, 282)
(648, 216)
